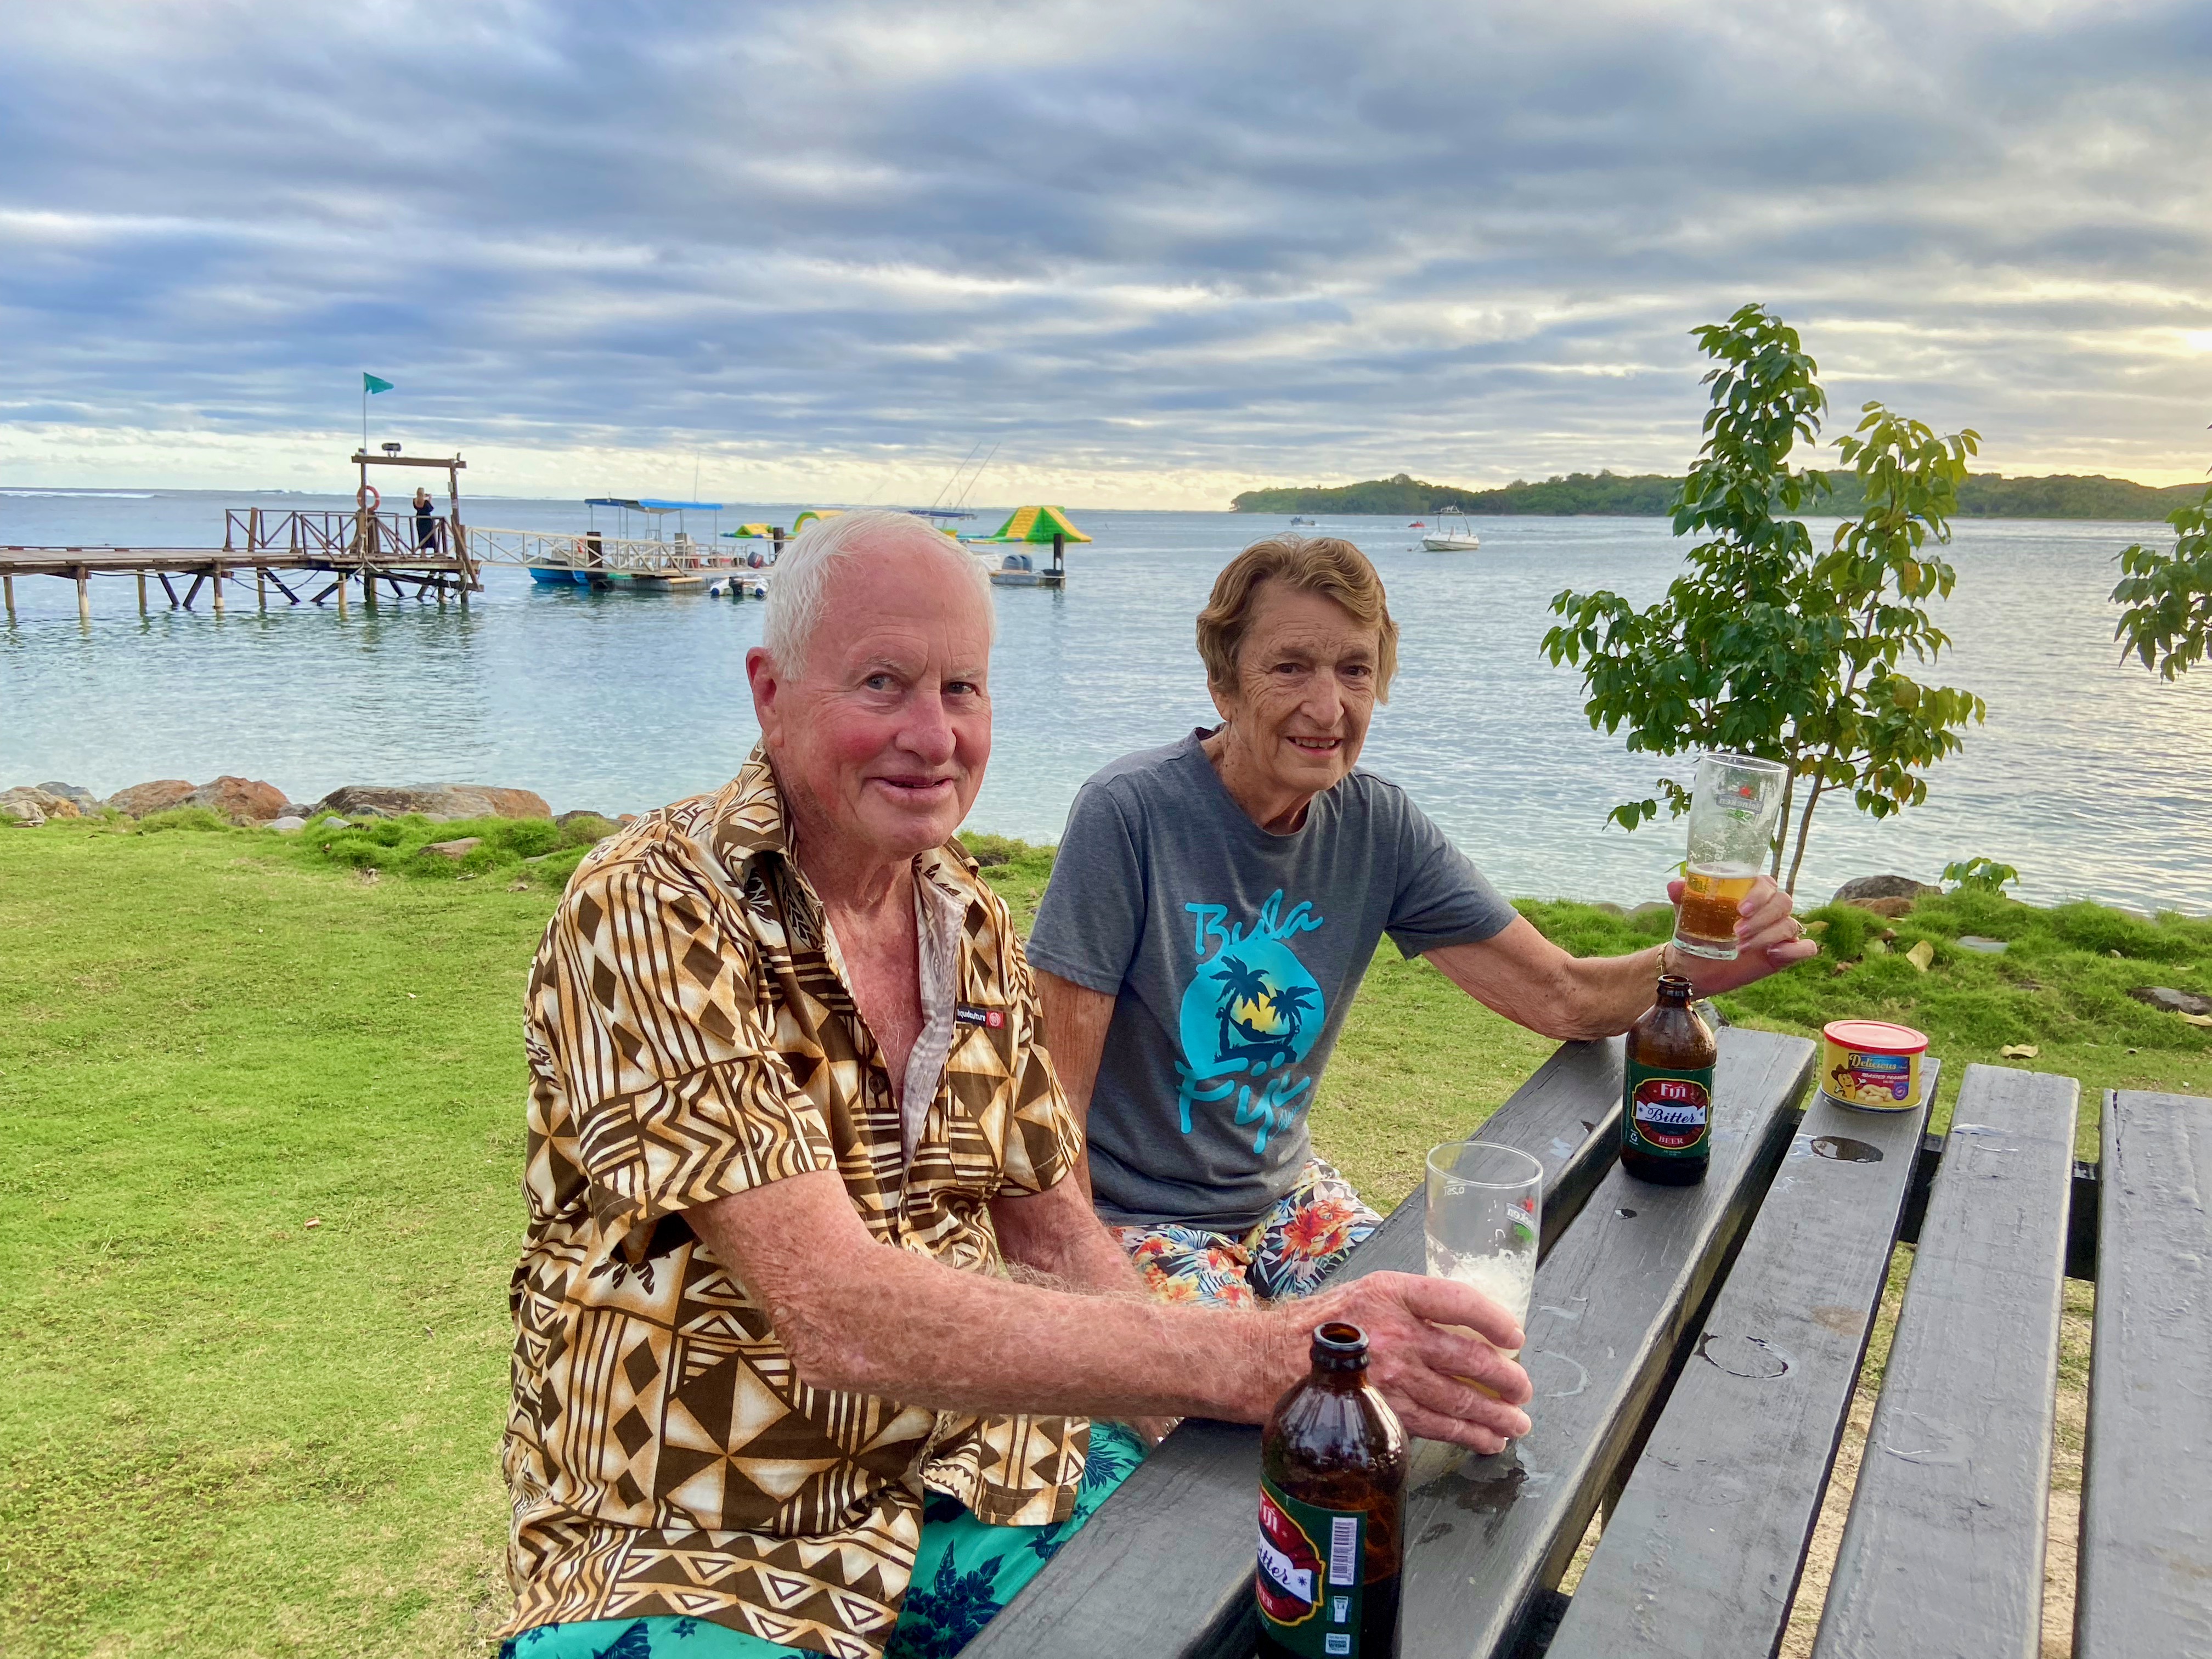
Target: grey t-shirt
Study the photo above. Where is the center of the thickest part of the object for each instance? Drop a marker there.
(1232, 954)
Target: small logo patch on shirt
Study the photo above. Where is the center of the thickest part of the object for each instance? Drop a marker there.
(974, 1013)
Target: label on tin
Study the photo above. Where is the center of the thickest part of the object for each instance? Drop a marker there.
(1668, 1114)
(1309, 1583)
(1864, 1080)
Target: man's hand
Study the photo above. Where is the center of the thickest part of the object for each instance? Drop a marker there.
(1421, 1368)
(1768, 939)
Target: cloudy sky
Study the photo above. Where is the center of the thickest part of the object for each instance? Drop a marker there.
(1154, 253)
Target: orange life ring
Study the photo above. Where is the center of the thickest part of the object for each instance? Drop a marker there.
(369, 498)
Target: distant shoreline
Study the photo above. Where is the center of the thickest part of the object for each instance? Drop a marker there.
(1651, 495)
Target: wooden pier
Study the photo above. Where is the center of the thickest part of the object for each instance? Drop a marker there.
(308, 556)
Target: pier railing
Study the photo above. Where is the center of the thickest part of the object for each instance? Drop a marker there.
(592, 550)
(340, 536)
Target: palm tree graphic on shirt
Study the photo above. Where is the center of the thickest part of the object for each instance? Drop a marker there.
(1244, 1041)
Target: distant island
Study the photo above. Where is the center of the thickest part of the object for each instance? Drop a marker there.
(1646, 496)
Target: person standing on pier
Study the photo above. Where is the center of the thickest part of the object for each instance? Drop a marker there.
(426, 521)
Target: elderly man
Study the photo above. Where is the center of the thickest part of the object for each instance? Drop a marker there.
(1215, 903)
(811, 1325)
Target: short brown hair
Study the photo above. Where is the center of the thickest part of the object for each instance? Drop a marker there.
(1326, 565)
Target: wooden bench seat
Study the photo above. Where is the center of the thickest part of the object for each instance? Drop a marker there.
(1943, 1554)
(1702, 1553)
(2145, 1584)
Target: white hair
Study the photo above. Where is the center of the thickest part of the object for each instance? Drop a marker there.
(798, 592)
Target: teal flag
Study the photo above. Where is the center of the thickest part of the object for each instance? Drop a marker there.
(370, 383)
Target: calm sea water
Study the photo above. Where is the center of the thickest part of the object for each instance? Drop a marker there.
(2093, 778)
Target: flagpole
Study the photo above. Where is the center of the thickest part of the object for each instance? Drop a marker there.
(364, 412)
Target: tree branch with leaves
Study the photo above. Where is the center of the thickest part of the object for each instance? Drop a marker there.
(1766, 645)
(2168, 595)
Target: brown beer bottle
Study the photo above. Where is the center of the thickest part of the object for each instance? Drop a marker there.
(1667, 1096)
(1332, 1510)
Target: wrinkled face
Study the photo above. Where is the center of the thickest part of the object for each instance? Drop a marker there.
(1305, 688)
(880, 737)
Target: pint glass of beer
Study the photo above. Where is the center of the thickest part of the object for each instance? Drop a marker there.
(1732, 810)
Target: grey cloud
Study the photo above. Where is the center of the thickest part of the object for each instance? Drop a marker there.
(1292, 240)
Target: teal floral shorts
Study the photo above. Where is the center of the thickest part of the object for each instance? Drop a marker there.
(965, 1573)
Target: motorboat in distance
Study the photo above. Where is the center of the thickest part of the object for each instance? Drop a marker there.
(1453, 534)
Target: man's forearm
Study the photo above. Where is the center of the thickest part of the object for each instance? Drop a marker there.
(1056, 1233)
(990, 1343)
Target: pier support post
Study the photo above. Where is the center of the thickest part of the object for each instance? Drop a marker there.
(342, 593)
(217, 590)
(8, 583)
(260, 588)
(368, 588)
(83, 595)
(142, 592)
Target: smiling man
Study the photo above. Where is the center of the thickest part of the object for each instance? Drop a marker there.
(1214, 905)
(777, 1388)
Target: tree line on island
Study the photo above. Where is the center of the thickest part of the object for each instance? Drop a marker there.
(1652, 496)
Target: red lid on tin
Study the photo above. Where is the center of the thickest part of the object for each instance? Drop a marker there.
(1874, 1036)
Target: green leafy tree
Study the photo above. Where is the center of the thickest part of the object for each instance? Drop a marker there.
(2168, 595)
(1766, 644)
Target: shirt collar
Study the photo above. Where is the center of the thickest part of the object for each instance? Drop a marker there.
(750, 821)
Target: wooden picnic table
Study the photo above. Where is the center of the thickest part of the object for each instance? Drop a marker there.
(1694, 1352)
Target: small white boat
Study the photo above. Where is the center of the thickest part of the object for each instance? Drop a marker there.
(1453, 534)
(1297, 520)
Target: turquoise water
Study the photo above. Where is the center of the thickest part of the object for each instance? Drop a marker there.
(2089, 776)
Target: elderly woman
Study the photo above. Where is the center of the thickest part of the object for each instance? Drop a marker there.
(1215, 903)
(776, 1387)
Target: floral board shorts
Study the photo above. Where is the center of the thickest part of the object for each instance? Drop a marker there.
(1307, 1232)
(966, 1572)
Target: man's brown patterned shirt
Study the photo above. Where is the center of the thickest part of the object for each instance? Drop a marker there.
(690, 1036)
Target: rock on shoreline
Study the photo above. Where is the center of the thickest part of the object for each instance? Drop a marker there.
(252, 801)
(432, 800)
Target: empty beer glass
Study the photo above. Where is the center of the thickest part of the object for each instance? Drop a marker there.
(1734, 806)
(1484, 1221)
(1485, 1216)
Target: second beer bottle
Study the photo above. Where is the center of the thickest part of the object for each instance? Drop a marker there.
(1667, 1096)
(1332, 1511)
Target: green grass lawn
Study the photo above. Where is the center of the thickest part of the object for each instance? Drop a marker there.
(230, 1433)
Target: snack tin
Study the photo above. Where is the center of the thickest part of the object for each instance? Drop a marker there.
(1871, 1065)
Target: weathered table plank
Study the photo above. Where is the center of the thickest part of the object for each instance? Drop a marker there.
(1165, 1566)
(1943, 1554)
(2145, 1586)
(1702, 1552)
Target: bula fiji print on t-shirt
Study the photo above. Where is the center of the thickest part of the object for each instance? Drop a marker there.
(1250, 1015)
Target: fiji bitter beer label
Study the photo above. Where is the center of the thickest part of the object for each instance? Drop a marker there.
(1669, 1113)
(1310, 1579)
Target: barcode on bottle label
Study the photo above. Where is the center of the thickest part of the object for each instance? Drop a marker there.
(1343, 1549)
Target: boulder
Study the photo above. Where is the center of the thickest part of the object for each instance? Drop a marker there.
(567, 819)
(159, 796)
(20, 809)
(455, 850)
(2169, 1001)
(242, 800)
(39, 799)
(438, 800)
(87, 802)
(1651, 908)
(290, 824)
(1883, 887)
(1890, 908)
